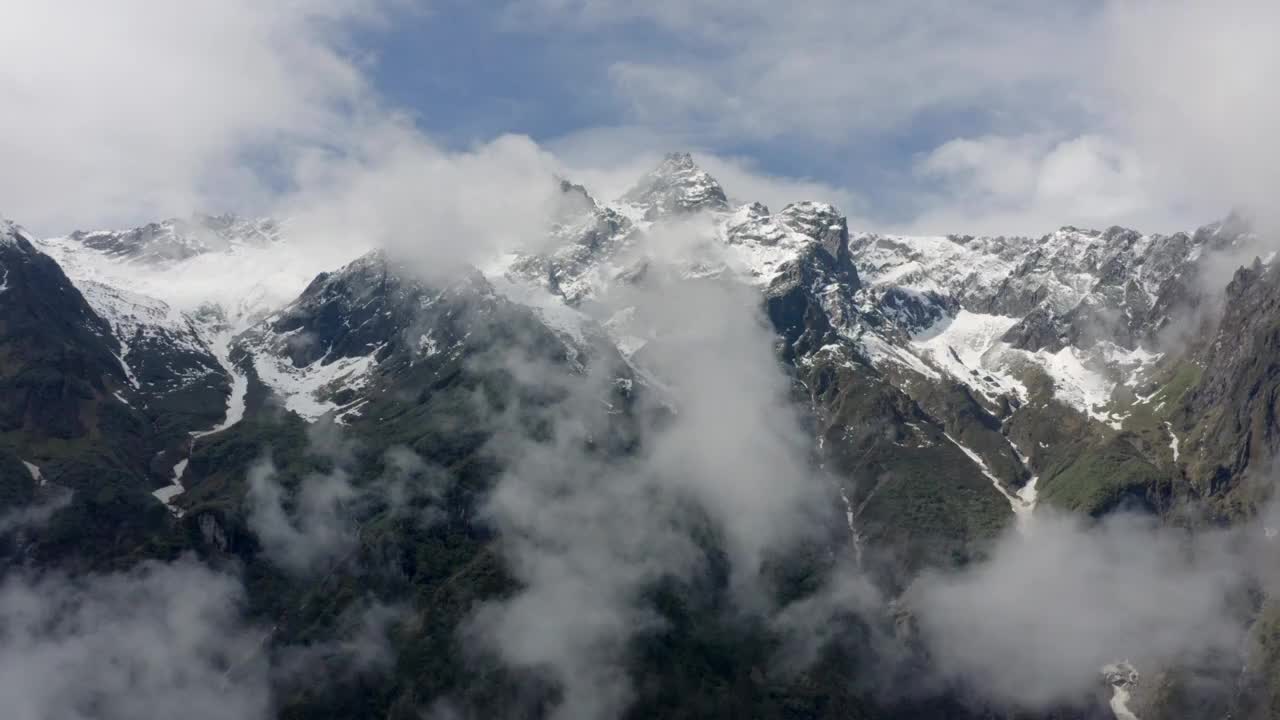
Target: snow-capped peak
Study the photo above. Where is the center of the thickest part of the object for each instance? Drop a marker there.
(761, 244)
(677, 185)
(178, 239)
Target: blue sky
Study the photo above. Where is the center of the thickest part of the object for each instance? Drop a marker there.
(916, 115)
(469, 72)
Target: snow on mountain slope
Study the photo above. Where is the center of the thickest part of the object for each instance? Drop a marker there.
(1075, 305)
(1019, 505)
(243, 279)
(981, 310)
(220, 339)
(1116, 268)
(308, 390)
(965, 270)
(139, 320)
(589, 242)
(676, 215)
(558, 315)
(967, 347)
(760, 245)
(686, 229)
(188, 287)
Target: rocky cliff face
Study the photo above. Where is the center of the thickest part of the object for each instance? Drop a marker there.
(1228, 416)
(62, 362)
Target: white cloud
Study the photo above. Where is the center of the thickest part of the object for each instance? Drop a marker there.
(827, 70)
(319, 532)
(1035, 184)
(1034, 623)
(587, 533)
(1155, 114)
(395, 189)
(1191, 86)
(1179, 129)
(156, 641)
(130, 110)
(140, 112)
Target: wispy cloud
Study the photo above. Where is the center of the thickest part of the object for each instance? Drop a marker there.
(605, 497)
(146, 111)
(1033, 625)
(155, 641)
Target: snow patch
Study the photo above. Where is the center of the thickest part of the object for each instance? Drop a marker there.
(304, 390)
(1020, 506)
(1122, 677)
(1074, 383)
(35, 472)
(124, 366)
(849, 516)
(1029, 494)
(1082, 379)
(967, 347)
(167, 495)
(932, 263)
(881, 351)
(1173, 440)
(757, 246)
(220, 347)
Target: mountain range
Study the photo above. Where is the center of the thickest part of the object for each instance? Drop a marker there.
(449, 441)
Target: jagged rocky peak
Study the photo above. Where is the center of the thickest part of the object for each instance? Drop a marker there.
(573, 204)
(754, 224)
(343, 313)
(178, 239)
(382, 272)
(361, 307)
(820, 221)
(804, 232)
(1238, 223)
(676, 186)
(803, 221)
(583, 233)
(578, 220)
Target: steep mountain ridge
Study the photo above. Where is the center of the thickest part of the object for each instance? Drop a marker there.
(967, 330)
(63, 364)
(348, 329)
